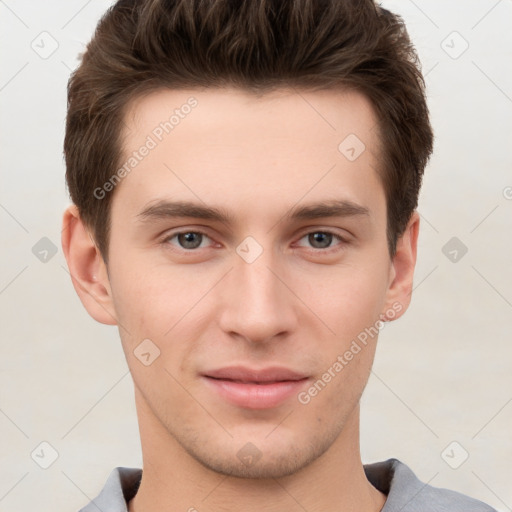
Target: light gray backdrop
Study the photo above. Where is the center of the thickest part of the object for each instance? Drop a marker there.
(440, 396)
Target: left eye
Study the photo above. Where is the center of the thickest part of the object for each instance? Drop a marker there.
(321, 239)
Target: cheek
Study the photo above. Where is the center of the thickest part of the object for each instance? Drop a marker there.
(162, 304)
(346, 299)
(350, 307)
(152, 297)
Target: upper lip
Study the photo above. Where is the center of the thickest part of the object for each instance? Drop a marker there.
(243, 374)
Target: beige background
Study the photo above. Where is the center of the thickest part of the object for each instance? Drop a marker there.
(442, 372)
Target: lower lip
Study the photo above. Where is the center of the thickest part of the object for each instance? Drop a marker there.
(256, 396)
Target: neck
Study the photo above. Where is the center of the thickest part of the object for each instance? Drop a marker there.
(173, 481)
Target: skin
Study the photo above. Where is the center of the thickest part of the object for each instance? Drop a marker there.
(299, 305)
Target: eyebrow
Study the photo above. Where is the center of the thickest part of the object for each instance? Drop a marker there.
(164, 209)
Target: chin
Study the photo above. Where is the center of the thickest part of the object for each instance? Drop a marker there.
(261, 458)
(266, 467)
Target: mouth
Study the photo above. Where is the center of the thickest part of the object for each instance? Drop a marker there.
(255, 389)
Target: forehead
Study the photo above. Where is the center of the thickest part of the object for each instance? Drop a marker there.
(229, 144)
(277, 114)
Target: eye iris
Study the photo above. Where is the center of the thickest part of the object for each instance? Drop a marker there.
(325, 239)
(186, 240)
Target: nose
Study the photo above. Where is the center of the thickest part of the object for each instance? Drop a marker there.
(257, 302)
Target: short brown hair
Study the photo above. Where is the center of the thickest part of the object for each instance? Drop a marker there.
(258, 45)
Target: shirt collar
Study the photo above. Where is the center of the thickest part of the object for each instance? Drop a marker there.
(391, 477)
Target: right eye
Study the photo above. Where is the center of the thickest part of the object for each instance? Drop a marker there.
(187, 240)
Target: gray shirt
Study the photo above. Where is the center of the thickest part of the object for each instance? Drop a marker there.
(405, 493)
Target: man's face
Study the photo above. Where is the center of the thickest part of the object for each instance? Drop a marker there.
(250, 311)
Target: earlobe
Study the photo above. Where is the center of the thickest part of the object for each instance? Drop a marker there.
(87, 268)
(402, 271)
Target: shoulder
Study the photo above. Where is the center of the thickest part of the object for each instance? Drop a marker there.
(406, 493)
(120, 487)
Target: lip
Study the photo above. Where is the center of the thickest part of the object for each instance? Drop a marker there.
(255, 388)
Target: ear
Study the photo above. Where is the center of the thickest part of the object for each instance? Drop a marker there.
(399, 292)
(87, 268)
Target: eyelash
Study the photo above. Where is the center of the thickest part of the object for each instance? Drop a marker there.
(167, 239)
